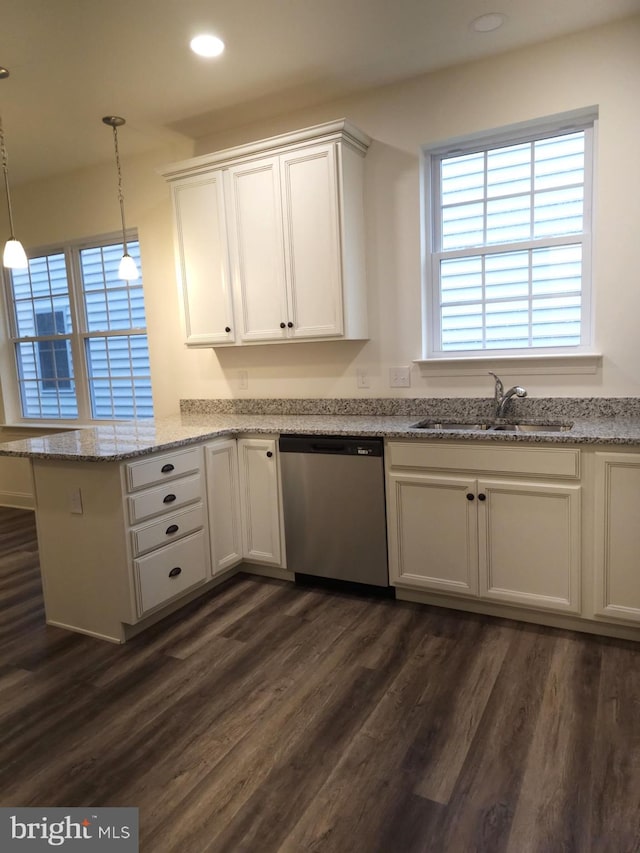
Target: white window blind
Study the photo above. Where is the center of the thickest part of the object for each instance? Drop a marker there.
(79, 335)
(510, 245)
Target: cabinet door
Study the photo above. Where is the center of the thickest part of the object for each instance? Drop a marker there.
(260, 500)
(223, 494)
(202, 260)
(433, 532)
(529, 544)
(617, 539)
(312, 241)
(255, 213)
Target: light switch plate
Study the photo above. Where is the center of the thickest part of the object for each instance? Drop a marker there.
(362, 378)
(75, 501)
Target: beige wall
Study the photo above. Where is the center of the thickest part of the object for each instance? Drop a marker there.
(16, 483)
(600, 66)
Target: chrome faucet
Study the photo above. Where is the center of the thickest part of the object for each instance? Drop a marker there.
(502, 397)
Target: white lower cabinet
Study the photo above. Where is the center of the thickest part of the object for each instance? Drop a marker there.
(119, 542)
(617, 536)
(245, 503)
(477, 522)
(223, 497)
(260, 501)
(171, 571)
(148, 537)
(507, 540)
(529, 544)
(433, 532)
(170, 550)
(148, 533)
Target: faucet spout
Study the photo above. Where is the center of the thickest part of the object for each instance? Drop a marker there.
(502, 397)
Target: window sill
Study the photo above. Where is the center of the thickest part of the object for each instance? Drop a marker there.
(524, 364)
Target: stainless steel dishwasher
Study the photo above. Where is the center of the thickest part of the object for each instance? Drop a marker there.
(334, 508)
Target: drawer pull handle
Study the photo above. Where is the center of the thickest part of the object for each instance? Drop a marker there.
(175, 572)
(482, 497)
(167, 468)
(470, 497)
(172, 528)
(269, 454)
(168, 499)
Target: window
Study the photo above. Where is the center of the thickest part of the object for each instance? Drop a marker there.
(54, 360)
(79, 335)
(508, 232)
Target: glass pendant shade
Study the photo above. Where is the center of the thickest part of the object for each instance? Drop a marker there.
(14, 256)
(128, 271)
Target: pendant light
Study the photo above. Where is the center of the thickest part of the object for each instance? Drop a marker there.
(127, 269)
(14, 256)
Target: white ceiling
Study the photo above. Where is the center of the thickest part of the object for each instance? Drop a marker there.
(73, 61)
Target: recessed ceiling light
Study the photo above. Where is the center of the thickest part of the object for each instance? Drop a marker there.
(207, 45)
(488, 23)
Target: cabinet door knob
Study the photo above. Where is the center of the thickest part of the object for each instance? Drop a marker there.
(175, 572)
(482, 497)
(290, 324)
(167, 468)
(168, 499)
(269, 454)
(172, 528)
(283, 325)
(470, 497)
(227, 329)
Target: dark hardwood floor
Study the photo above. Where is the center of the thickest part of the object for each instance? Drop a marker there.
(266, 717)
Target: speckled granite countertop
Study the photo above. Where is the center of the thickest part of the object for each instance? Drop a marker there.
(595, 422)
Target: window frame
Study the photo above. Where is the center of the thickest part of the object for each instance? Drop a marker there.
(524, 132)
(78, 336)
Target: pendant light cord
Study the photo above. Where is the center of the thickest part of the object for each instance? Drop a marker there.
(5, 172)
(120, 193)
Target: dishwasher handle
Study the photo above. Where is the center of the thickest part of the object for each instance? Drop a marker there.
(326, 447)
(334, 445)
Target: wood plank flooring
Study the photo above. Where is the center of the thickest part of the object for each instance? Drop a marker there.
(267, 717)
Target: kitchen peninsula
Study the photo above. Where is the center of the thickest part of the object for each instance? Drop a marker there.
(135, 519)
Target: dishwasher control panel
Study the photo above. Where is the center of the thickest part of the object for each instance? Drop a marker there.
(347, 445)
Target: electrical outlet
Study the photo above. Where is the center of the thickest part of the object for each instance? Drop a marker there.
(243, 380)
(399, 377)
(362, 378)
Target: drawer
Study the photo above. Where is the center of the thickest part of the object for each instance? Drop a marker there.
(156, 469)
(563, 462)
(166, 499)
(168, 529)
(171, 571)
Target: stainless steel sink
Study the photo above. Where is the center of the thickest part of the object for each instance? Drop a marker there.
(519, 426)
(445, 425)
(523, 426)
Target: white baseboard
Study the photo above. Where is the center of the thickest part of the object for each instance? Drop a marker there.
(17, 500)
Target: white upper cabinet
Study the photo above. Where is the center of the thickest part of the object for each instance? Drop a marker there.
(202, 260)
(256, 248)
(310, 205)
(289, 227)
